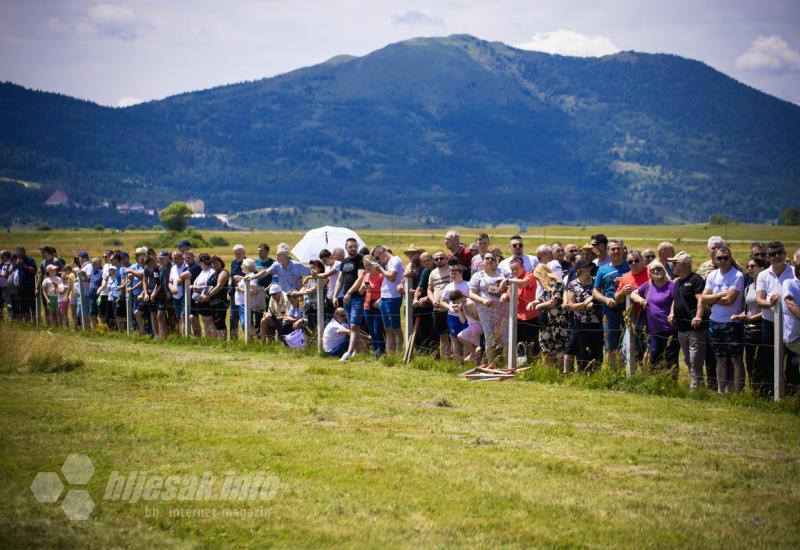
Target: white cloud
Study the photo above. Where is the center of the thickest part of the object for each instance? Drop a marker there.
(566, 42)
(416, 17)
(116, 21)
(128, 101)
(769, 53)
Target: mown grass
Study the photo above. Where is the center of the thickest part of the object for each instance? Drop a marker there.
(373, 454)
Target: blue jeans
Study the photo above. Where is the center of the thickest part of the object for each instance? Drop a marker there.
(339, 350)
(613, 324)
(390, 311)
(375, 326)
(354, 310)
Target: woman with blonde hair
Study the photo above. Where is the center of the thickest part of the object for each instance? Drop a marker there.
(554, 320)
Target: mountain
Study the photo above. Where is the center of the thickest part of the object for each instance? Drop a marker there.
(454, 129)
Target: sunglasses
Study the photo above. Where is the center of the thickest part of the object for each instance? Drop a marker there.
(438, 259)
(517, 245)
(635, 261)
(656, 270)
(723, 258)
(489, 259)
(649, 257)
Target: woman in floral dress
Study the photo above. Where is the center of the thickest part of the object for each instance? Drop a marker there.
(555, 319)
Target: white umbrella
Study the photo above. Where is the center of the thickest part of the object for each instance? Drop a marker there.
(323, 237)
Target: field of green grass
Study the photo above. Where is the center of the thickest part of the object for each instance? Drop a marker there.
(379, 454)
(691, 238)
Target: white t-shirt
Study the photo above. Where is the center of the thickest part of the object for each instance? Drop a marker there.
(389, 288)
(718, 282)
(476, 264)
(772, 284)
(51, 284)
(331, 337)
(463, 287)
(88, 270)
(555, 265)
(202, 279)
(175, 273)
(528, 262)
(337, 266)
(791, 325)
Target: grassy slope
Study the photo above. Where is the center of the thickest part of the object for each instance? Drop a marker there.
(365, 458)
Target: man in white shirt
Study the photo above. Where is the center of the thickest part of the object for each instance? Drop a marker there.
(391, 267)
(791, 308)
(546, 256)
(769, 289)
(336, 336)
(517, 251)
(176, 277)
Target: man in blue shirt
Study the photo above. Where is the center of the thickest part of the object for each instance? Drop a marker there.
(605, 286)
(290, 273)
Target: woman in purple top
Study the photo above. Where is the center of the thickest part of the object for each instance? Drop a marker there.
(656, 298)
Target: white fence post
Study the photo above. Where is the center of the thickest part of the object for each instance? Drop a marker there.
(512, 326)
(777, 354)
(320, 312)
(38, 296)
(247, 306)
(187, 306)
(128, 310)
(630, 334)
(409, 316)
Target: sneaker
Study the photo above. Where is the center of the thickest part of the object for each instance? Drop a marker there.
(345, 357)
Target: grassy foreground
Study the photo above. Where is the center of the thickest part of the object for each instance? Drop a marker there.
(369, 455)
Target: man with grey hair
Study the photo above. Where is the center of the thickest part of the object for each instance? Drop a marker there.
(290, 273)
(714, 243)
(452, 240)
(687, 314)
(545, 255)
(666, 250)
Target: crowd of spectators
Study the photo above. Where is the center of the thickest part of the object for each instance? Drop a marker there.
(574, 303)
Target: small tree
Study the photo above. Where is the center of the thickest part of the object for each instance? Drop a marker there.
(791, 216)
(175, 215)
(719, 219)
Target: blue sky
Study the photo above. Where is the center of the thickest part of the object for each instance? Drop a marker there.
(122, 52)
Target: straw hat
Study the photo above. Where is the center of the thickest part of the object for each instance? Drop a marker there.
(413, 249)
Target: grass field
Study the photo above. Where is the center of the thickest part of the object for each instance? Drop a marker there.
(371, 455)
(685, 237)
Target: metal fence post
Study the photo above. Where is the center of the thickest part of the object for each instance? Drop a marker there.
(778, 351)
(630, 334)
(128, 311)
(409, 316)
(187, 306)
(246, 320)
(38, 297)
(320, 312)
(512, 326)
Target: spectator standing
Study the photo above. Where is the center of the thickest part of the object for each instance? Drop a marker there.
(688, 314)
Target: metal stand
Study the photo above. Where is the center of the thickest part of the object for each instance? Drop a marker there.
(129, 311)
(320, 312)
(187, 307)
(778, 351)
(409, 316)
(247, 306)
(630, 335)
(512, 326)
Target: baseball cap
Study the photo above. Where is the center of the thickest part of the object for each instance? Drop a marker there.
(184, 242)
(83, 254)
(681, 256)
(274, 288)
(164, 254)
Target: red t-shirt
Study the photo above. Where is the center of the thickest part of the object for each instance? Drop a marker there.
(525, 296)
(634, 280)
(464, 256)
(375, 280)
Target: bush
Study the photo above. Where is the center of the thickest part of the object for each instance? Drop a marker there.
(113, 242)
(34, 352)
(216, 240)
(167, 240)
(99, 227)
(43, 227)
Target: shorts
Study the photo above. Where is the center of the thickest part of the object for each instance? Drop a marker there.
(726, 338)
(471, 334)
(201, 308)
(52, 304)
(440, 325)
(612, 324)
(354, 310)
(63, 305)
(177, 304)
(121, 307)
(162, 305)
(218, 313)
(455, 326)
(145, 307)
(390, 311)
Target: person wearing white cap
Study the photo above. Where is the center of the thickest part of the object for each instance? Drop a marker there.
(688, 315)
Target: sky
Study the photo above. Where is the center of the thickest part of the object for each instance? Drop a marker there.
(122, 52)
